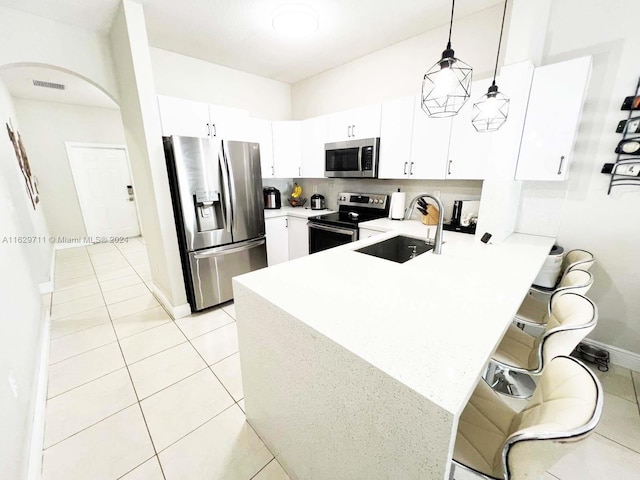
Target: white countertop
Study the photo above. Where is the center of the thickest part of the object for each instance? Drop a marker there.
(413, 228)
(302, 212)
(431, 323)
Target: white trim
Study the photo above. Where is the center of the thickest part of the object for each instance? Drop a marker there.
(47, 287)
(618, 356)
(176, 312)
(40, 404)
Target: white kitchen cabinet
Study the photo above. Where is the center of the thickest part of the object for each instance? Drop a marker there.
(396, 129)
(314, 136)
(298, 237)
(553, 115)
(429, 144)
(188, 118)
(363, 122)
(366, 233)
(287, 149)
(277, 240)
(260, 132)
(469, 149)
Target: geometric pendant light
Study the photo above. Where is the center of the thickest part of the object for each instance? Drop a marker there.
(490, 112)
(447, 85)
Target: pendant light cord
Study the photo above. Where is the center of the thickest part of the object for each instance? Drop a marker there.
(504, 14)
(453, 5)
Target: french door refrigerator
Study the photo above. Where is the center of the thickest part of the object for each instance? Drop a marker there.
(216, 189)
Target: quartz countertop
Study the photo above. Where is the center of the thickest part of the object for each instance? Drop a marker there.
(301, 212)
(431, 323)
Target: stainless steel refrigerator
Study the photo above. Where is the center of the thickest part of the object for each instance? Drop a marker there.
(216, 188)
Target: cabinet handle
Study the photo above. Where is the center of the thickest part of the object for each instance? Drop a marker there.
(215, 131)
(286, 223)
(405, 168)
(353, 130)
(208, 130)
(411, 169)
(300, 171)
(348, 130)
(449, 168)
(272, 171)
(560, 165)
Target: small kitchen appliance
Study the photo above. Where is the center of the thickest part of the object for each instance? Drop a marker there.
(317, 202)
(333, 229)
(272, 199)
(352, 159)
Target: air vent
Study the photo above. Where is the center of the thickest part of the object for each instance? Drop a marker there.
(40, 83)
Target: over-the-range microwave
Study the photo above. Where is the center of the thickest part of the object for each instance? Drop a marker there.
(352, 159)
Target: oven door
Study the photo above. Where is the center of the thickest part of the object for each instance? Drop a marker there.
(323, 237)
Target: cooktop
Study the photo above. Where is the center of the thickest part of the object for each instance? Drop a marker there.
(354, 208)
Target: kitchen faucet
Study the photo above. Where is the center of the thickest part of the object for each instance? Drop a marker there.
(437, 247)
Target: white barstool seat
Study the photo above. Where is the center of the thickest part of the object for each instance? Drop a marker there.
(496, 442)
(574, 259)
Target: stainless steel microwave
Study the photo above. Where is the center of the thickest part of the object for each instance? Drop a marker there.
(352, 159)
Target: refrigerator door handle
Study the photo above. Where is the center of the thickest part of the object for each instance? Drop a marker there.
(226, 187)
(231, 180)
(220, 251)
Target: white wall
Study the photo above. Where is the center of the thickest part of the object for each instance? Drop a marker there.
(398, 70)
(46, 126)
(21, 320)
(186, 77)
(607, 225)
(28, 38)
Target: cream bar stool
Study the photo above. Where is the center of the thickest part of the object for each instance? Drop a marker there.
(574, 259)
(535, 308)
(519, 355)
(496, 442)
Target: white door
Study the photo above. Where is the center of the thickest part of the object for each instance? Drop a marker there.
(314, 136)
(105, 191)
(298, 237)
(395, 134)
(287, 149)
(429, 144)
(277, 240)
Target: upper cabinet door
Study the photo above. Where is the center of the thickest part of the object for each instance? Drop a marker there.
(229, 123)
(260, 132)
(183, 117)
(357, 123)
(469, 149)
(395, 138)
(287, 140)
(314, 136)
(429, 144)
(553, 116)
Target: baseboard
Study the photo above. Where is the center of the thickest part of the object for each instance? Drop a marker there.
(47, 287)
(37, 428)
(176, 312)
(618, 356)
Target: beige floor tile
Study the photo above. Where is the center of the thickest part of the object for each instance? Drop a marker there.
(165, 368)
(69, 265)
(106, 258)
(225, 447)
(121, 272)
(59, 284)
(219, 344)
(620, 422)
(125, 293)
(228, 372)
(144, 273)
(273, 471)
(70, 294)
(137, 257)
(617, 381)
(106, 450)
(102, 270)
(141, 321)
(133, 305)
(150, 342)
(241, 405)
(121, 282)
(71, 252)
(79, 321)
(101, 248)
(636, 382)
(181, 408)
(198, 324)
(83, 368)
(230, 309)
(80, 342)
(79, 305)
(597, 458)
(86, 405)
(73, 272)
(149, 470)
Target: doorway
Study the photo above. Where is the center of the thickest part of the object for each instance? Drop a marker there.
(105, 190)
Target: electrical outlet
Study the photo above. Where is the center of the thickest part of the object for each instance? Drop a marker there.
(315, 189)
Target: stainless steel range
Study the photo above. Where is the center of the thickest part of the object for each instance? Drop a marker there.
(333, 229)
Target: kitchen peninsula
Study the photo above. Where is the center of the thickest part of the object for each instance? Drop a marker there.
(356, 367)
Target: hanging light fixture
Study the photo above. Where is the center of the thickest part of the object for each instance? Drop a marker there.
(490, 112)
(447, 84)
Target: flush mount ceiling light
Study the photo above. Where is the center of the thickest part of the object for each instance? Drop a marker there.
(447, 84)
(295, 19)
(490, 112)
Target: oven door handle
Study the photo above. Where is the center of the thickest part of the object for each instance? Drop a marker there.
(343, 231)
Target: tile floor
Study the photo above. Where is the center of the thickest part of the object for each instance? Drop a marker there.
(135, 395)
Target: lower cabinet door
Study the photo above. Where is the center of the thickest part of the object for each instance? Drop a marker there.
(298, 237)
(277, 240)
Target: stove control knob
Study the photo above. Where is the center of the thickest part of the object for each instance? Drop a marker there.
(371, 200)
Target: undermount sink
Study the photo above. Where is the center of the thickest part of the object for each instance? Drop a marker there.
(397, 249)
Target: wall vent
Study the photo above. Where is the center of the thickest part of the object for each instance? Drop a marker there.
(40, 83)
